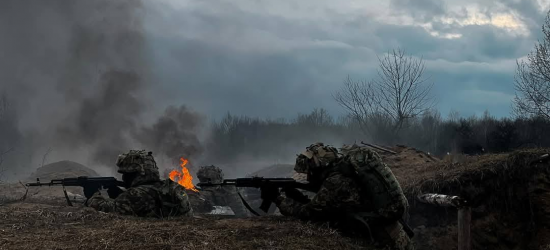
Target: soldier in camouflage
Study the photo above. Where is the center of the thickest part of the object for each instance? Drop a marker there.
(345, 200)
(146, 194)
(220, 195)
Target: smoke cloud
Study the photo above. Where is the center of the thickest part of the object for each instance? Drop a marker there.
(103, 119)
(174, 135)
(76, 76)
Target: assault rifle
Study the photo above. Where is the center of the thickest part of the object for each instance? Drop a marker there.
(89, 184)
(269, 188)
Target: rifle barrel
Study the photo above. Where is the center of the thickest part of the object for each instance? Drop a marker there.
(258, 182)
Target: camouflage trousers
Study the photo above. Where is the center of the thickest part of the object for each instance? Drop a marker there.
(393, 237)
(387, 235)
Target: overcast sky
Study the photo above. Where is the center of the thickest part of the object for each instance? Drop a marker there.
(278, 58)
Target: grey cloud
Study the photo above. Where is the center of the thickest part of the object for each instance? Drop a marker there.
(231, 59)
(530, 13)
(424, 10)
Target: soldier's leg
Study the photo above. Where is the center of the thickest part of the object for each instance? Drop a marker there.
(396, 238)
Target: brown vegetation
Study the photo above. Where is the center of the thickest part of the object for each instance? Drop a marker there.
(41, 226)
(508, 192)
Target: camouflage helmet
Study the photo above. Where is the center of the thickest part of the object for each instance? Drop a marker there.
(137, 161)
(316, 156)
(210, 174)
(141, 163)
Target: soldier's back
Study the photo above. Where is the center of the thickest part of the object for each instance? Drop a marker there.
(158, 199)
(174, 199)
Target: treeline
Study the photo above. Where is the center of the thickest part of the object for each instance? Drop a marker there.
(235, 137)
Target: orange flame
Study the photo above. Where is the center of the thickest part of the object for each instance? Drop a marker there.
(185, 178)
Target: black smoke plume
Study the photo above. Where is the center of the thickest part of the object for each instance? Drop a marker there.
(174, 133)
(76, 73)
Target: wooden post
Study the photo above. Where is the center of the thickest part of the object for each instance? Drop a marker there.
(464, 219)
(464, 215)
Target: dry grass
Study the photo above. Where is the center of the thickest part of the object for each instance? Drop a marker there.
(40, 226)
(508, 193)
(478, 171)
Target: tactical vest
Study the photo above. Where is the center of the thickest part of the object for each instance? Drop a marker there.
(376, 181)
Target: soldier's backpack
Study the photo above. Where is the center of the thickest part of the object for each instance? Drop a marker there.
(376, 181)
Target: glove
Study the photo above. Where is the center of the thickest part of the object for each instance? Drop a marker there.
(114, 192)
(296, 195)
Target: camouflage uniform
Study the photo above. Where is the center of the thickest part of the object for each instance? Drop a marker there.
(146, 194)
(342, 198)
(220, 195)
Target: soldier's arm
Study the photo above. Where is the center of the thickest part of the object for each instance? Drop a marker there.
(135, 201)
(101, 203)
(337, 194)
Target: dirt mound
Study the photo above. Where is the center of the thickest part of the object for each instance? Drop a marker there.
(406, 159)
(509, 195)
(58, 170)
(62, 169)
(406, 156)
(274, 171)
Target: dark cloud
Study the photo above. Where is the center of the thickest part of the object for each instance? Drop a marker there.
(224, 56)
(424, 10)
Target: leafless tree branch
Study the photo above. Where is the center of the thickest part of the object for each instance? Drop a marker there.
(4, 105)
(2, 169)
(532, 79)
(400, 92)
(45, 155)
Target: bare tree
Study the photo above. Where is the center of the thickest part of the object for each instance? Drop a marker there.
(6, 146)
(399, 93)
(317, 118)
(4, 105)
(454, 115)
(2, 169)
(532, 79)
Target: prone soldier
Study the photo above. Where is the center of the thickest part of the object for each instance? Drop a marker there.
(355, 190)
(146, 195)
(220, 195)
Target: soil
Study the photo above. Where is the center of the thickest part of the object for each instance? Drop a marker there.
(62, 169)
(277, 170)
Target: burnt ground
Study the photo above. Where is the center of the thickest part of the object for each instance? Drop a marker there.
(44, 221)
